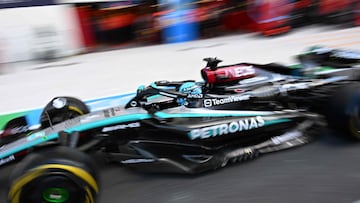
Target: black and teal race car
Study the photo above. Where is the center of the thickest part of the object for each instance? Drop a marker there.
(236, 113)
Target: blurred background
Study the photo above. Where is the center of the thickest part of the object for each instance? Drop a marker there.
(44, 30)
(95, 48)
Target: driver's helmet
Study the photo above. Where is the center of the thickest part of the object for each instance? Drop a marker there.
(190, 88)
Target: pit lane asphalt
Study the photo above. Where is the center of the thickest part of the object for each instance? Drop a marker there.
(324, 171)
(327, 170)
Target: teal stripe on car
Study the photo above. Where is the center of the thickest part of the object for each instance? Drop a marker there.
(272, 122)
(108, 121)
(27, 145)
(196, 114)
(36, 138)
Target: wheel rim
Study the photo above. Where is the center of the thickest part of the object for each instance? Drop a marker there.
(55, 195)
(52, 188)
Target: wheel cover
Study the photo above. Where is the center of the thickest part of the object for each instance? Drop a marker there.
(55, 195)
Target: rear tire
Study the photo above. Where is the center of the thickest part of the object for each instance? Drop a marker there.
(60, 175)
(344, 111)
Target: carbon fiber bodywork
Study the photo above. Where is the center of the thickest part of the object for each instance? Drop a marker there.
(241, 111)
(180, 139)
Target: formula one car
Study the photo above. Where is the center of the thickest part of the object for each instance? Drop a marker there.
(174, 139)
(237, 113)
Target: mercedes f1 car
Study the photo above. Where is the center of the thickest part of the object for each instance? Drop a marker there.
(237, 113)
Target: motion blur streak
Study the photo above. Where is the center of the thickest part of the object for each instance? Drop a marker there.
(324, 171)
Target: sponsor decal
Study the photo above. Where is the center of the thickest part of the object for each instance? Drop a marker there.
(7, 160)
(196, 96)
(190, 88)
(36, 135)
(121, 127)
(230, 99)
(227, 128)
(112, 112)
(239, 72)
(234, 72)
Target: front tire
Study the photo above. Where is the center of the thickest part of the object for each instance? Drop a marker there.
(60, 175)
(60, 109)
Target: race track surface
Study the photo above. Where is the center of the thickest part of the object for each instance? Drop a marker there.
(325, 171)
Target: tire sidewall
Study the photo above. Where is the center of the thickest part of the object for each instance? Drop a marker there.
(71, 104)
(62, 156)
(343, 111)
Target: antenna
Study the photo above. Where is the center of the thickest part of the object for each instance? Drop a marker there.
(212, 63)
(48, 116)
